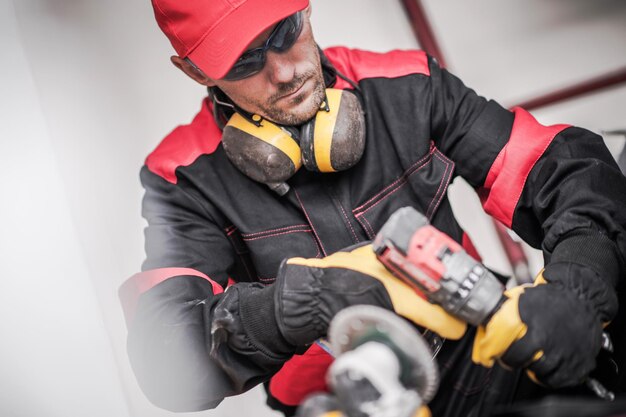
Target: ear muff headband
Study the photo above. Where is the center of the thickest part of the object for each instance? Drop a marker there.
(270, 134)
(324, 128)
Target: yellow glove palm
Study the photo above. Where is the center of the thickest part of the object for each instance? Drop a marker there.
(406, 301)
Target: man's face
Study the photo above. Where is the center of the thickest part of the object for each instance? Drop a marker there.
(290, 87)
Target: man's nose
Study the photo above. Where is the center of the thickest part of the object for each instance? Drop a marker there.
(280, 67)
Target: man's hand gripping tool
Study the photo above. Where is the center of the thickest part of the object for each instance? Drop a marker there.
(441, 271)
(437, 267)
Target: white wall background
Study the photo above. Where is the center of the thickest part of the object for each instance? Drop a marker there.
(86, 91)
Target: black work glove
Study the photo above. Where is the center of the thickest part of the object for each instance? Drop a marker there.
(554, 328)
(297, 309)
(311, 291)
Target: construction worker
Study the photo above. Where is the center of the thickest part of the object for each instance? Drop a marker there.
(215, 310)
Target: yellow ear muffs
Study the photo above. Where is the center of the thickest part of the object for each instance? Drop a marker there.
(335, 139)
(266, 153)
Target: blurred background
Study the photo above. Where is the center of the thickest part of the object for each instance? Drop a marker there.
(87, 91)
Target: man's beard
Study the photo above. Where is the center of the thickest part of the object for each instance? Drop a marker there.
(290, 118)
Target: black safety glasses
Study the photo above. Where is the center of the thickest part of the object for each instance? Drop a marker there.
(281, 39)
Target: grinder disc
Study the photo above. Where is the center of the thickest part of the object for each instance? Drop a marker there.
(357, 325)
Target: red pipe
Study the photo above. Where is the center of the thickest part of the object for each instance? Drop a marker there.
(428, 42)
(514, 253)
(576, 90)
(422, 29)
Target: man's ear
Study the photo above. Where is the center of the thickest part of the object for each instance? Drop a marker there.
(192, 71)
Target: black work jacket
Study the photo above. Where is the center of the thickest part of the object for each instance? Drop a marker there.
(210, 226)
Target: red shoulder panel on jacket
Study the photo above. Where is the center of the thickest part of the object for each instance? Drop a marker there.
(507, 176)
(185, 144)
(358, 65)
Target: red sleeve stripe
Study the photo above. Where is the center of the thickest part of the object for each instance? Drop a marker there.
(140, 283)
(507, 176)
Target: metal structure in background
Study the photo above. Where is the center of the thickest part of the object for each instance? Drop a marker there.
(422, 29)
(621, 158)
(585, 87)
(428, 42)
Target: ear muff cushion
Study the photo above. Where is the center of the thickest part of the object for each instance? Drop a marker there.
(266, 154)
(348, 135)
(334, 140)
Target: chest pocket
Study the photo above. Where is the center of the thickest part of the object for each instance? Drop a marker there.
(423, 186)
(261, 253)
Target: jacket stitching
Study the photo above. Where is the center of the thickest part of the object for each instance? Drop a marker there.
(230, 230)
(343, 211)
(402, 184)
(447, 180)
(446, 186)
(271, 279)
(246, 239)
(403, 181)
(439, 194)
(368, 228)
(298, 226)
(319, 241)
(402, 177)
